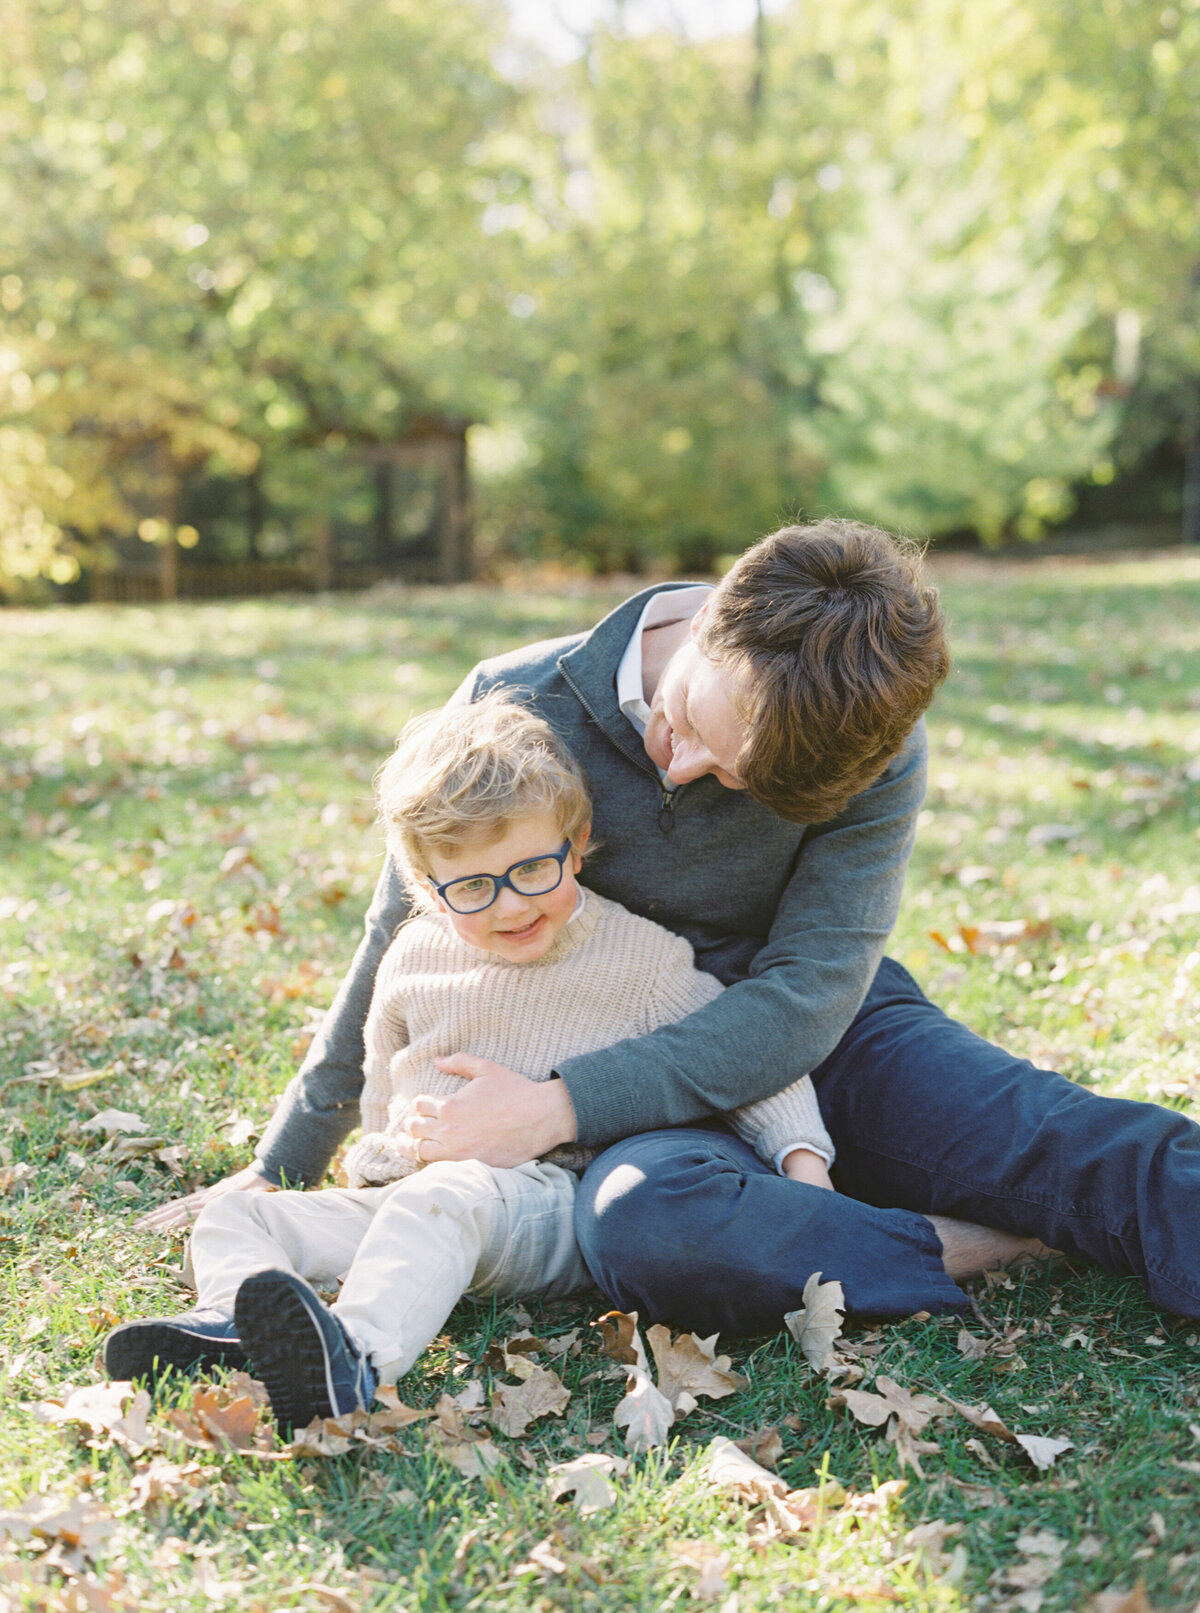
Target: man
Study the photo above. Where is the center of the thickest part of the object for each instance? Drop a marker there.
(757, 758)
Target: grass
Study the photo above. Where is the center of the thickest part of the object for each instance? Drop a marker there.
(188, 850)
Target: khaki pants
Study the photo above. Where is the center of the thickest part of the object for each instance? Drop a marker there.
(408, 1252)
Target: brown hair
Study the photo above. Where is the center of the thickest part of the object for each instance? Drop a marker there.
(838, 645)
(467, 772)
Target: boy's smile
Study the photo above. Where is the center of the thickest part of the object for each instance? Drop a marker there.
(518, 928)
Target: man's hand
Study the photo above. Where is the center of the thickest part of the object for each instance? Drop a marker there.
(802, 1165)
(182, 1212)
(499, 1117)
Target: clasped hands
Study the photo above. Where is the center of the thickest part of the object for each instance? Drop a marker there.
(499, 1117)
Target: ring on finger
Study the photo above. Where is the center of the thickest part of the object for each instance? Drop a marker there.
(417, 1150)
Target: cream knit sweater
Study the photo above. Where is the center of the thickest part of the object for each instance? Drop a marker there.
(608, 975)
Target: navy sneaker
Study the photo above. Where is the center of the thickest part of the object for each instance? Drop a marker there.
(309, 1363)
(196, 1339)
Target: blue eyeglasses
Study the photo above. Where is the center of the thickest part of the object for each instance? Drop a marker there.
(536, 876)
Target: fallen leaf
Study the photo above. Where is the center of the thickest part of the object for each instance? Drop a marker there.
(689, 1366)
(818, 1322)
(162, 1481)
(81, 1526)
(645, 1413)
(911, 1412)
(1114, 1601)
(765, 1447)
(331, 1598)
(619, 1339)
(780, 1513)
(587, 1479)
(102, 1408)
(542, 1394)
(1043, 1452)
(985, 1418)
(474, 1459)
(115, 1120)
(726, 1466)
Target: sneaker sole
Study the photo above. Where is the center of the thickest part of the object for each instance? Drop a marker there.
(148, 1349)
(286, 1342)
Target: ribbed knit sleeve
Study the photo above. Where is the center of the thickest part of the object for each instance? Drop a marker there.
(790, 1119)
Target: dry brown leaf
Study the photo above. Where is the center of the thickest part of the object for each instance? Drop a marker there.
(112, 1121)
(1043, 1452)
(542, 1394)
(985, 1418)
(322, 1437)
(474, 1459)
(863, 1406)
(81, 1526)
(337, 1600)
(689, 1366)
(765, 1447)
(1115, 1601)
(103, 1409)
(619, 1339)
(232, 1423)
(395, 1414)
(780, 1513)
(162, 1481)
(587, 1479)
(818, 1322)
(912, 1411)
(711, 1565)
(910, 1448)
(645, 1413)
(727, 1467)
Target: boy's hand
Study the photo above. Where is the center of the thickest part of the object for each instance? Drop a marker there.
(499, 1117)
(182, 1212)
(802, 1165)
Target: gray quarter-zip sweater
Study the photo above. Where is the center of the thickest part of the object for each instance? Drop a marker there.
(794, 918)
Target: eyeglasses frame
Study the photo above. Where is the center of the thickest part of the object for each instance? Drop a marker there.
(504, 881)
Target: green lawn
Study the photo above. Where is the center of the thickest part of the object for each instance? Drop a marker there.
(188, 850)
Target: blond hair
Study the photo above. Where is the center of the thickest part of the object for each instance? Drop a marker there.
(466, 773)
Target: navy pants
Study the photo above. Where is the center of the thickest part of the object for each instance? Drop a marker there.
(689, 1226)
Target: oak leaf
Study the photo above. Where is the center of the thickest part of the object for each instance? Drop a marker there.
(645, 1413)
(541, 1394)
(620, 1340)
(689, 1366)
(818, 1322)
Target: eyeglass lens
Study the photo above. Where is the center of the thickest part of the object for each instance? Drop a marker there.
(535, 878)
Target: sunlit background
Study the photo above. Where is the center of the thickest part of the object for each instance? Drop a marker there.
(302, 294)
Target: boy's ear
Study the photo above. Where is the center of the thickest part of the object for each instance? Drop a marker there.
(697, 621)
(435, 901)
(580, 844)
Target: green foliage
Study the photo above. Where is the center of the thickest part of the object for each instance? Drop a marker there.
(930, 263)
(228, 235)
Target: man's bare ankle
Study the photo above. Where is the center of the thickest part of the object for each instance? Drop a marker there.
(969, 1250)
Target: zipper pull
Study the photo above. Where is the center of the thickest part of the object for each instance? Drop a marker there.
(666, 812)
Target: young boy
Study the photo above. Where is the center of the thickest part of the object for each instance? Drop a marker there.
(507, 958)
